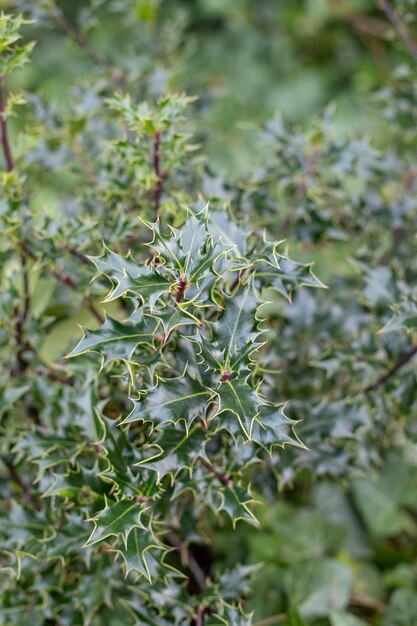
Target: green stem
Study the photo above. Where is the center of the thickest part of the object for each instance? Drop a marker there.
(271, 621)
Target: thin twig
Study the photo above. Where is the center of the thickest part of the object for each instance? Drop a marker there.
(360, 599)
(56, 378)
(400, 28)
(199, 617)
(8, 157)
(68, 280)
(21, 316)
(86, 166)
(369, 25)
(226, 480)
(156, 162)
(307, 173)
(271, 621)
(393, 370)
(370, 31)
(14, 476)
(89, 304)
(187, 560)
(237, 279)
(77, 254)
(77, 36)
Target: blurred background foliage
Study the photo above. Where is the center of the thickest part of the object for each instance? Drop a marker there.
(343, 553)
(245, 61)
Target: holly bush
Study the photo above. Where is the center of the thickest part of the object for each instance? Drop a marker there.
(229, 438)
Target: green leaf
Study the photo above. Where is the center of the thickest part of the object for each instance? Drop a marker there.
(235, 329)
(177, 449)
(404, 318)
(116, 519)
(167, 245)
(228, 616)
(67, 541)
(318, 587)
(148, 285)
(12, 55)
(138, 552)
(340, 618)
(293, 618)
(333, 502)
(113, 265)
(274, 428)
(236, 500)
(236, 582)
(295, 535)
(283, 275)
(171, 401)
(115, 340)
(9, 395)
(170, 319)
(379, 509)
(402, 609)
(225, 228)
(189, 250)
(241, 400)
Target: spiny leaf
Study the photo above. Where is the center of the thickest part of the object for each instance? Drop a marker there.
(9, 395)
(282, 274)
(116, 519)
(148, 285)
(225, 228)
(236, 501)
(240, 399)
(229, 615)
(116, 340)
(189, 250)
(113, 265)
(177, 450)
(171, 401)
(274, 428)
(138, 552)
(404, 318)
(235, 329)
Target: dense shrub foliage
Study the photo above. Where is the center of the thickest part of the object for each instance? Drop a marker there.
(226, 441)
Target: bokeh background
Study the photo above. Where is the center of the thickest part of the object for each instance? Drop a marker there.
(245, 61)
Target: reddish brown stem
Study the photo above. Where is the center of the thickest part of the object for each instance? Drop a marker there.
(8, 157)
(89, 304)
(400, 28)
(77, 36)
(68, 281)
(307, 173)
(362, 600)
(56, 378)
(156, 162)
(23, 314)
(393, 370)
(210, 407)
(187, 560)
(14, 476)
(272, 621)
(85, 166)
(182, 285)
(226, 480)
(76, 254)
(199, 617)
(236, 280)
